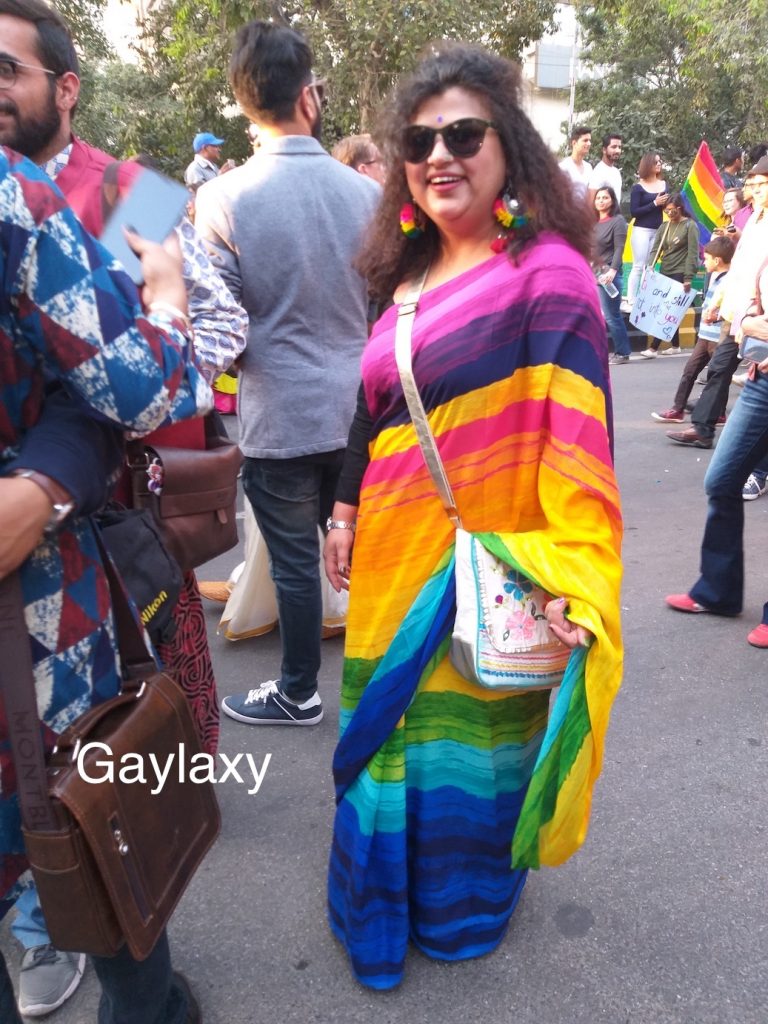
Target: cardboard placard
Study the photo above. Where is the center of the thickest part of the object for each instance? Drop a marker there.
(660, 305)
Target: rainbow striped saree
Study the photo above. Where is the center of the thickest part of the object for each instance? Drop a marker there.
(447, 793)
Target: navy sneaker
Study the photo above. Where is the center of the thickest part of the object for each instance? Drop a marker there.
(754, 487)
(268, 705)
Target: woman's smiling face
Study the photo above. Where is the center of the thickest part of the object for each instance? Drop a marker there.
(603, 201)
(457, 193)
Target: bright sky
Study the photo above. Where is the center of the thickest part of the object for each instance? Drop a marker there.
(119, 26)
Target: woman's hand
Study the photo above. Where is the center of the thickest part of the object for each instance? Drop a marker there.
(24, 511)
(661, 199)
(608, 276)
(567, 632)
(161, 266)
(337, 556)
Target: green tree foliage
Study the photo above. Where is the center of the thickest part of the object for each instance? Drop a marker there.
(673, 72)
(360, 47)
(130, 112)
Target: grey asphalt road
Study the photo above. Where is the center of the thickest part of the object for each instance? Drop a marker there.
(659, 919)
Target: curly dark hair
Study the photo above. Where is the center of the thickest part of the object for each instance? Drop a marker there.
(544, 192)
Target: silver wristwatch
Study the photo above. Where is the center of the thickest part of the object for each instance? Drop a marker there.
(339, 524)
(63, 505)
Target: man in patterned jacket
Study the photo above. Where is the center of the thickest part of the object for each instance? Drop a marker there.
(39, 90)
(136, 371)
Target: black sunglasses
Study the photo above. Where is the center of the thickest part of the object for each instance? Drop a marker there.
(462, 138)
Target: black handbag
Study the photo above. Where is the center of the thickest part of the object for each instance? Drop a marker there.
(149, 571)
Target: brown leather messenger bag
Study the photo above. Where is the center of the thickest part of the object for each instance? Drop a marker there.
(110, 857)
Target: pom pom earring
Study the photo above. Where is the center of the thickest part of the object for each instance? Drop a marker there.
(508, 212)
(408, 224)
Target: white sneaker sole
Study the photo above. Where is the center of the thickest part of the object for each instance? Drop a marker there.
(43, 1009)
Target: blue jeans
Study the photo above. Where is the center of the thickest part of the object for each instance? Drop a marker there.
(613, 318)
(761, 470)
(290, 499)
(133, 992)
(742, 445)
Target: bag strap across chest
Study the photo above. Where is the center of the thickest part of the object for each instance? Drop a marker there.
(406, 314)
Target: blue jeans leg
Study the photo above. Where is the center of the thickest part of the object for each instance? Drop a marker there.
(613, 318)
(29, 924)
(290, 498)
(140, 992)
(9, 1012)
(761, 470)
(743, 443)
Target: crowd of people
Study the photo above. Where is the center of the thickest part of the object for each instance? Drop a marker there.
(295, 277)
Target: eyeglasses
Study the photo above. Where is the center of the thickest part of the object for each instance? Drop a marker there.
(463, 138)
(9, 70)
(758, 184)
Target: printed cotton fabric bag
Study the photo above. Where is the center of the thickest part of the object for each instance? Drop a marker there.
(501, 638)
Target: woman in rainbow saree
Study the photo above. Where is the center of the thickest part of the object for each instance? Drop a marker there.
(446, 792)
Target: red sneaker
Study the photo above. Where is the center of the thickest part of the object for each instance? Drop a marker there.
(684, 603)
(670, 416)
(759, 636)
(721, 419)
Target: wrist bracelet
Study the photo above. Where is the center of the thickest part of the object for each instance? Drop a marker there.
(339, 524)
(158, 306)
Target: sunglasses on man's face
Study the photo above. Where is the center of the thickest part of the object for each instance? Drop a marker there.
(463, 138)
(317, 85)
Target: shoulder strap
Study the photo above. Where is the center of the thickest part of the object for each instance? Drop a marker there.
(660, 250)
(17, 685)
(406, 313)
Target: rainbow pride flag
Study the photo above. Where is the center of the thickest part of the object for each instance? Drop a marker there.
(703, 193)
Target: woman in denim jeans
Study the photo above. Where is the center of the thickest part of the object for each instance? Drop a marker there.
(742, 446)
(610, 237)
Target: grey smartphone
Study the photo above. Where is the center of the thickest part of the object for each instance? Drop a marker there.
(152, 208)
(754, 349)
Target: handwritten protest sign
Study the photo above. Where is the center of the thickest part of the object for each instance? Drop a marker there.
(660, 305)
